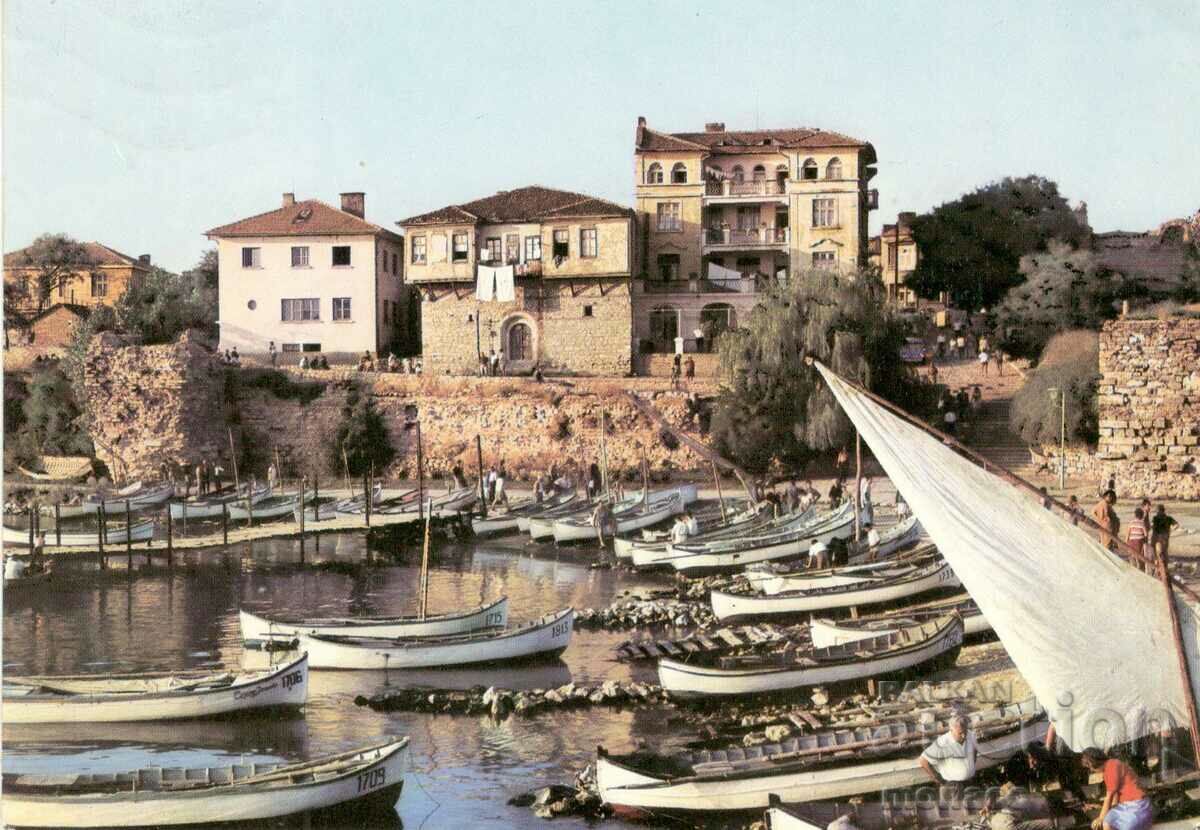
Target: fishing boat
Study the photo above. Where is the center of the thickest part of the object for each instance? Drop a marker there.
(711, 520)
(898, 537)
(508, 520)
(272, 507)
(546, 637)
(726, 556)
(791, 667)
(154, 697)
(841, 588)
(818, 767)
(826, 632)
(138, 495)
(455, 502)
(541, 527)
(260, 628)
(138, 532)
(916, 814)
(207, 508)
(570, 508)
(320, 509)
(655, 508)
(357, 505)
(397, 504)
(363, 779)
(657, 556)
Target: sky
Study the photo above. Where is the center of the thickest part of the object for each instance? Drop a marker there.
(143, 124)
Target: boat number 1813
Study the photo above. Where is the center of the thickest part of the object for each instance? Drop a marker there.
(559, 629)
(371, 779)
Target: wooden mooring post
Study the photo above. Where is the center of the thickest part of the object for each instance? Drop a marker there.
(170, 539)
(32, 529)
(303, 510)
(58, 524)
(367, 498)
(482, 484)
(102, 532)
(128, 538)
(420, 476)
(225, 523)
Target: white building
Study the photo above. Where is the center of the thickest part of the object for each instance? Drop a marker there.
(312, 278)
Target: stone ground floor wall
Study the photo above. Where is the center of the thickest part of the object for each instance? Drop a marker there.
(708, 365)
(581, 326)
(688, 307)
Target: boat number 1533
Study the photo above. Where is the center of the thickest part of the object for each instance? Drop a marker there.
(371, 779)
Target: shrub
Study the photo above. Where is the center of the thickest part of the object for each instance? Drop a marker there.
(668, 439)
(281, 385)
(362, 441)
(1070, 361)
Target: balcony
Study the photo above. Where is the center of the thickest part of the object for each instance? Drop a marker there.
(717, 191)
(730, 239)
(750, 284)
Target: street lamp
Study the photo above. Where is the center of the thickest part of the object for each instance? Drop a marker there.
(1059, 396)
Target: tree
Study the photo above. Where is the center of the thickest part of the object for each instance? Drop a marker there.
(49, 264)
(1064, 288)
(206, 273)
(363, 438)
(1071, 362)
(161, 306)
(53, 420)
(775, 407)
(971, 248)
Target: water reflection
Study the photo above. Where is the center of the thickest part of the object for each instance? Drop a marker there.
(463, 768)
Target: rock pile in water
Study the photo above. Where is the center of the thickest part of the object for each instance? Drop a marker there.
(500, 703)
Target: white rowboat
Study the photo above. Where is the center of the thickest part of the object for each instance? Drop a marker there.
(657, 506)
(210, 507)
(493, 615)
(548, 636)
(370, 778)
(509, 520)
(825, 632)
(114, 699)
(140, 532)
(270, 508)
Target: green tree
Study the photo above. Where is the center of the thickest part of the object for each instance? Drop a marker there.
(161, 306)
(51, 262)
(1064, 288)
(362, 436)
(971, 248)
(53, 420)
(772, 405)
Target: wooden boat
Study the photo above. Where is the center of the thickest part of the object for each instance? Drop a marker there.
(397, 504)
(357, 505)
(493, 615)
(455, 502)
(894, 539)
(816, 767)
(726, 556)
(789, 668)
(207, 508)
(541, 527)
(782, 596)
(364, 779)
(577, 505)
(653, 556)
(656, 507)
(117, 535)
(826, 632)
(138, 495)
(545, 637)
(710, 520)
(321, 509)
(509, 520)
(273, 507)
(917, 814)
(118, 698)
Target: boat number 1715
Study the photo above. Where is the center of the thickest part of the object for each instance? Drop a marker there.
(371, 779)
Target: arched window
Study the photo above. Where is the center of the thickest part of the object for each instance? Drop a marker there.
(833, 170)
(715, 318)
(655, 174)
(664, 327)
(739, 175)
(760, 173)
(781, 176)
(520, 342)
(679, 173)
(808, 172)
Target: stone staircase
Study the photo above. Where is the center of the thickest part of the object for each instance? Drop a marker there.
(992, 438)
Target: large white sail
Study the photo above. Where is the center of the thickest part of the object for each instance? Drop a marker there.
(1089, 632)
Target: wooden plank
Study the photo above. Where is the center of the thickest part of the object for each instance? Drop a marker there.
(670, 648)
(730, 638)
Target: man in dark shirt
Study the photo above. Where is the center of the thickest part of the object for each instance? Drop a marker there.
(1160, 529)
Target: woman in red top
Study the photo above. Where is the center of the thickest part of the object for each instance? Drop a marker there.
(1125, 804)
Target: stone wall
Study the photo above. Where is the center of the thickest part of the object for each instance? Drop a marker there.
(708, 364)
(1149, 408)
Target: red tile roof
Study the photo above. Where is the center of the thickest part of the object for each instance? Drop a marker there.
(311, 217)
(100, 254)
(741, 142)
(525, 204)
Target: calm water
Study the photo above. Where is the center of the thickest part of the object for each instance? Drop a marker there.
(464, 769)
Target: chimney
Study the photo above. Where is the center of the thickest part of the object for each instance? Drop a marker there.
(355, 203)
(144, 259)
(641, 120)
(289, 199)
(714, 127)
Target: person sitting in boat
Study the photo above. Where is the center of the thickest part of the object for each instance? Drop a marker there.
(460, 478)
(950, 760)
(679, 531)
(689, 521)
(1125, 806)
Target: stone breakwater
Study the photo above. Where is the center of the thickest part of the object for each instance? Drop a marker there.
(501, 703)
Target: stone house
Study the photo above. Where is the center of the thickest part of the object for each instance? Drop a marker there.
(894, 253)
(722, 213)
(311, 278)
(571, 258)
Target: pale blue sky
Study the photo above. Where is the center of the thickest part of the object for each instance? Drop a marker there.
(142, 124)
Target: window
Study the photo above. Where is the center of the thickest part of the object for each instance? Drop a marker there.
(312, 347)
(293, 311)
(418, 250)
(460, 252)
(395, 265)
(588, 246)
(587, 311)
(739, 175)
(300, 256)
(760, 173)
(825, 259)
(291, 347)
(655, 174)
(833, 170)
(809, 171)
(747, 217)
(387, 307)
(668, 217)
(341, 255)
(341, 308)
(749, 266)
(824, 213)
(668, 267)
(492, 249)
(533, 248)
(679, 173)
(562, 243)
(99, 285)
(252, 257)
(512, 248)
(664, 326)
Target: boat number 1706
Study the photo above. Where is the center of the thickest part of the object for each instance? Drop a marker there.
(371, 779)
(293, 679)
(559, 629)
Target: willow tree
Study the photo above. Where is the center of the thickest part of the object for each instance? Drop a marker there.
(773, 405)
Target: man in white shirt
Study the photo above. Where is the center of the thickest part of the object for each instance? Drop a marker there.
(818, 555)
(951, 758)
(679, 532)
(693, 526)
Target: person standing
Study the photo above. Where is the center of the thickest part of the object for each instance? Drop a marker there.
(272, 476)
(1135, 536)
(1075, 509)
(950, 760)
(498, 494)
(818, 556)
(1106, 517)
(595, 481)
(950, 421)
(983, 362)
(200, 478)
(274, 355)
(1000, 363)
(1125, 806)
(866, 511)
(679, 532)
(835, 492)
(460, 478)
(1160, 528)
(689, 369)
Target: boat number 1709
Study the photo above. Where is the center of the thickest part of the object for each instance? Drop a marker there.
(371, 779)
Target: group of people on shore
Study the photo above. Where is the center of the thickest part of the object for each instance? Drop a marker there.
(1148, 533)
(959, 408)
(681, 368)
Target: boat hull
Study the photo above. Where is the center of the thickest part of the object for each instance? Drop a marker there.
(700, 564)
(494, 615)
(267, 509)
(211, 508)
(139, 532)
(376, 782)
(282, 687)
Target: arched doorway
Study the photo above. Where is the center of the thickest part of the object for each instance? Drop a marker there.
(519, 343)
(664, 328)
(715, 318)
